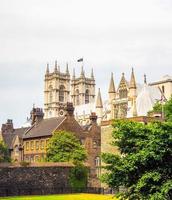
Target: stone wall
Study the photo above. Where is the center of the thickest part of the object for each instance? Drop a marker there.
(33, 179)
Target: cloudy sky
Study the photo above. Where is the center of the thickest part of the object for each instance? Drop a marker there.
(111, 35)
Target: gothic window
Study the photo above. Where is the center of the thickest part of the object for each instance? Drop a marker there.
(27, 146)
(86, 96)
(97, 161)
(32, 145)
(37, 145)
(97, 164)
(61, 93)
(16, 150)
(77, 97)
(123, 93)
(50, 93)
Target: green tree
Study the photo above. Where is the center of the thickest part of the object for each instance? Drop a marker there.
(65, 147)
(168, 110)
(78, 177)
(4, 153)
(165, 108)
(157, 108)
(144, 166)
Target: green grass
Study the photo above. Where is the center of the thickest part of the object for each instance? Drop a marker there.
(64, 197)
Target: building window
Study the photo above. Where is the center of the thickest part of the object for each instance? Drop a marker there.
(86, 96)
(97, 164)
(27, 146)
(97, 161)
(16, 150)
(46, 143)
(37, 145)
(94, 144)
(42, 144)
(61, 93)
(37, 158)
(32, 145)
(123, 93)
(77, 97)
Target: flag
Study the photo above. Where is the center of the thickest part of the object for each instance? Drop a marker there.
(80, 60)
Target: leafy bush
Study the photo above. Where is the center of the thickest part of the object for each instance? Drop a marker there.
(78, 178)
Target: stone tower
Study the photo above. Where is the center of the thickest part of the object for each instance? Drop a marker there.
(112, 96)
(56, 91)
(99, 107)
(132, 95)
(82, 88)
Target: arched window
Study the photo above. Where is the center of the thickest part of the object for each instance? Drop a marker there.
(50, 93)
(77, 97)
(97, 161)
(86, 96)
(61, 93)
(123, 93)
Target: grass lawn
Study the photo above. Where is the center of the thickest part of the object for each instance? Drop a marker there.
(64, 197)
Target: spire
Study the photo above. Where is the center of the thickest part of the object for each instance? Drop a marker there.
(145, 80)
(99, 103)
(73, 73)
(82, 72)
(132, 80)
(67, 69)
(112, 85)
(123, 82)
(55, 68)
(92, 74)
(47, 71)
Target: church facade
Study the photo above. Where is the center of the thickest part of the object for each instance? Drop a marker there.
(129, 99)
(60, 88)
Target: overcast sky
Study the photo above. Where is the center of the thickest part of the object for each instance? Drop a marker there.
(111, 35)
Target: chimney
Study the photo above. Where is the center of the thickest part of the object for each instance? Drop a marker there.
(69, 109)
(36, 115)
(93, 118)
(8, 127)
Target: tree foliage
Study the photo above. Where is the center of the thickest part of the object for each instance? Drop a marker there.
(65, 147)
(78, 178)
(4, 153)
(168, 110)
(144, 168)
(165, 108)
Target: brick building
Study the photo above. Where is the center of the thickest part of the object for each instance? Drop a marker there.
(30, 143)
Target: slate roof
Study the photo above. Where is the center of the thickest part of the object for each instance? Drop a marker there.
(44, 128)
(8, 137)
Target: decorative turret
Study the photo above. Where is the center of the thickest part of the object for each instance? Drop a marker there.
(132, 86)
(99, 103)
(67, 69)
(55, 68)
(82, 72)
(99, 107)
(92, 74)
(112, 92)
(132, 80)
(47, 71)
(73, 77)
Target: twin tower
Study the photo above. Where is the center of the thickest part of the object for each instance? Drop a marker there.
(61, 88)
